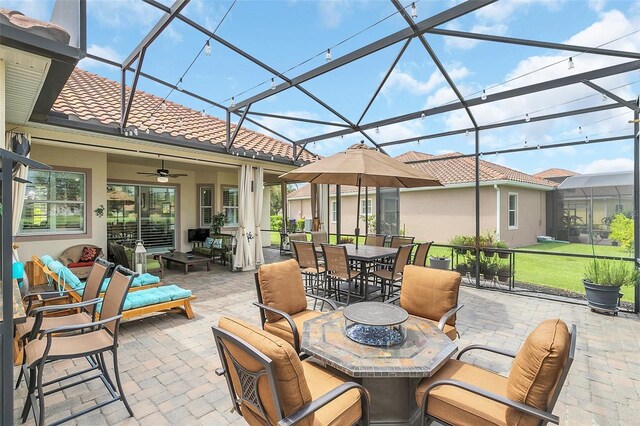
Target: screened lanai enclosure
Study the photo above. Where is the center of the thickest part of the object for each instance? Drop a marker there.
(444, 86)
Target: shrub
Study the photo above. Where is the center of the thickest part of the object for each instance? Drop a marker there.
(622, 231)
(300, 224)
(346, 240)
(275, 222)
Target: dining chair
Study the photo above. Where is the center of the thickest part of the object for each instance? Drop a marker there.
(268, 384)
(422, 252)
(283, 302)
(319, 237)
(431, 294)
(338, 269)
(89, 340)
(312, 269)
(461, 393)
(376, 240)
(77, 313)
(391, 277)
(400, 240)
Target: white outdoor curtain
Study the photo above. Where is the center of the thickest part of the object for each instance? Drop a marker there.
(244, 257)
(17, 190)
(257, 213)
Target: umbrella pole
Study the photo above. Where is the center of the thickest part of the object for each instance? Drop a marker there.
(357, 232)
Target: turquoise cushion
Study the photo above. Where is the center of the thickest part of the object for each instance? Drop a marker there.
(175, 292)
(153, 296)
(208, 242)
(68, 277)
(18, 270)
(55, 266)
(145, 279)
(46, 259)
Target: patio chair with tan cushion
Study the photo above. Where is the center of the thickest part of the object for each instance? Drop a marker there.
(392, 277)
(400, 240)
(283, 302)
(310, 266)
(431, 294)
(422, 251)
(269, 385)
(65, 342)
(319, 237)
(376, 240)
(338, 269)
(461, 393)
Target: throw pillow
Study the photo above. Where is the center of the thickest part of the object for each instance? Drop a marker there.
(89, 254)
(217, 243)
(208, 242)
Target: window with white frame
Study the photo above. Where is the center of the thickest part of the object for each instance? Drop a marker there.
(54, 203)
(365, 207)
(334, 211)
(206, 206)
(230, 204)
(513, 211)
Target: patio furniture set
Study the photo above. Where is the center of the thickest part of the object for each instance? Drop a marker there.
(378, 363)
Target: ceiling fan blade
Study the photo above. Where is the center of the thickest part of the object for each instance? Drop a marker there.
(148, 174)
(175, 175)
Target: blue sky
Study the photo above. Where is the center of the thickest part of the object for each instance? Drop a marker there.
(284, 34)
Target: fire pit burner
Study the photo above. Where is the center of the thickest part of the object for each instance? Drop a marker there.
(375, 323)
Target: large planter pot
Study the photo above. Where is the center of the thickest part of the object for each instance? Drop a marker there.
(440, 263)
(602, 297)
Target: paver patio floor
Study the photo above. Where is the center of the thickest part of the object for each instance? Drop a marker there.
(167, 362)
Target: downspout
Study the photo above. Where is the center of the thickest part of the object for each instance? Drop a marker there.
(497, 188)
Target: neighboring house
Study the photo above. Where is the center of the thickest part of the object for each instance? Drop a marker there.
(555, 174)
(95, 190)
(512, 203)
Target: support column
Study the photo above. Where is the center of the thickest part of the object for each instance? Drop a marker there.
(477, 248)
(636, 199)
(338, 214)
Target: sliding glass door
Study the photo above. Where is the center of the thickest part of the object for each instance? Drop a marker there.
(141, 212)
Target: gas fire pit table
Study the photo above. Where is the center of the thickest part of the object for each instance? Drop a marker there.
(388, 369)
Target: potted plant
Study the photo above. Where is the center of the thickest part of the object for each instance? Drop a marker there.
(443, 263)
(462, 268)
(504, 273)
(218, 221)
(457, 241)
(490, 270)
(502, 246)
(603, 280)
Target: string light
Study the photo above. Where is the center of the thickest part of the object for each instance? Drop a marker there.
(414, 11)
(422, 116)
(135, 131)
(527, 118)
(525, 142)
(147, 131)
(377, 130)
(571, 64)
(327, 56)
(207, 48)
(579, 130)
(179, 85)
(163, 106)
(484, 95)
(233, 102)
(586, 139)
(273, 84)
(466, 133)
(203, 114)
(604, 97)
(418, 142)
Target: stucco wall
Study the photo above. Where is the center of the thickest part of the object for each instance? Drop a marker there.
(531, 216)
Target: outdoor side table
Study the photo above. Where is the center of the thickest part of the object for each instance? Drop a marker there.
(390, 374)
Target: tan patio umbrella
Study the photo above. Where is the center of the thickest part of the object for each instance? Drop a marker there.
(362, 165)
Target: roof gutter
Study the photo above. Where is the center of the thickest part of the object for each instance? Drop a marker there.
(489, 183)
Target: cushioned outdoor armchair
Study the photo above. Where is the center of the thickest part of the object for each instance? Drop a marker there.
(283, 302)
(431, 294)
(461, 393)
(71, 258)
(217, 245)
(269, 385)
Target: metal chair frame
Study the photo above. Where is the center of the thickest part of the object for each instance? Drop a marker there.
(251, 396)
(420, 257)
(394, 271)
(309, 276)
(544, 416)
(331, 276)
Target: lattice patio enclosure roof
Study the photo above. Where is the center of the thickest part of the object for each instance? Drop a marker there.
(321, 90)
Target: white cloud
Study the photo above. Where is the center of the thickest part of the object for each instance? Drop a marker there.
(101, 51)
(605, 166)
(125, 13)
(405, 81)
(36, 9)
(503, 10)
(597, 5)
(467, 43)
(333, 11)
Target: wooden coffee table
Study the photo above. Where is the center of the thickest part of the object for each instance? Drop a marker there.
(186, 260)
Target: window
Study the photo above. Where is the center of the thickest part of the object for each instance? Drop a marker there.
(206, 206)
(54, 203)
(230, 204)
(365, 207)
(334, 211)
(513, 211)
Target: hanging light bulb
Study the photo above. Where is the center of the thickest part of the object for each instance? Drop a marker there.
(484, 95)
(378, 130)
(147, 131)
(579, 130)
(571, 64)
(418, 142)
(466, 133)
(207, 48)
(203, 114)
(604, 97)
(135, 131)
(586, 139)
(527, 118)
(414, 11)
(273, 84)
(163, 106)
(327, 56)
(525, 142)
(233, 102)
(538, 146)
(422, 116)
(179, 85)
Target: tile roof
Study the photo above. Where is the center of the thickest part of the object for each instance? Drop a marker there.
(555, 173)
(90, 97)
(462, 169)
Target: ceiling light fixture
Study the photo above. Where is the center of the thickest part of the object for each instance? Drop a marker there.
(327, 56)
(207, 48)
(162, 179)
(414, 11)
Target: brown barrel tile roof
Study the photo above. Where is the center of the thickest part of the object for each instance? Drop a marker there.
(555, 173)
(90, 97)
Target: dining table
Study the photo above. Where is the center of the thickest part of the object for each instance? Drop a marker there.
(365, 256)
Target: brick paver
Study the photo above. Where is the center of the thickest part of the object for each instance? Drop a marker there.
(167, 362)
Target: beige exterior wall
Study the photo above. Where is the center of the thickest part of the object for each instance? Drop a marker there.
(439, 214)
(300, 208)
(115, 159)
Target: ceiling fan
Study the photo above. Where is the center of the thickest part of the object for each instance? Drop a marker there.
(163, 174)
